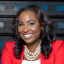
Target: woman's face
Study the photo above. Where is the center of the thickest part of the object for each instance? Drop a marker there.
(29, 28)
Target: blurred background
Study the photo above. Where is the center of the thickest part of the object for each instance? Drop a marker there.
(8, 9)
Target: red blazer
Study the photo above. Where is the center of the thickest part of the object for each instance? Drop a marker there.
(56, 56)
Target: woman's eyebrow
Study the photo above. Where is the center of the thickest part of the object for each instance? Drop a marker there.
(20, 21)
(30, 21)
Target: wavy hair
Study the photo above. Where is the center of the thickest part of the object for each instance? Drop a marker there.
(47, 33)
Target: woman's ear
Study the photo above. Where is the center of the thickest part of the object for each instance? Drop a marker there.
(43, 24)
(42, 27)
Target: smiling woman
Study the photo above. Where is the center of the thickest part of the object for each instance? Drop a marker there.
(34, 39)
(29, 27)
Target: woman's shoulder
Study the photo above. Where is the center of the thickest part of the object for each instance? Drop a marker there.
(10, 45)
(57, 45)
(57, 42)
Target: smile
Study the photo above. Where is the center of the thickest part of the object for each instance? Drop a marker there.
(27, 36)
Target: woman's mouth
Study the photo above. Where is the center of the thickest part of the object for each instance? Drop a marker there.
(27, 36)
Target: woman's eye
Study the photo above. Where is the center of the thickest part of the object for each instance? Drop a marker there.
(31, 23)
(20, 24)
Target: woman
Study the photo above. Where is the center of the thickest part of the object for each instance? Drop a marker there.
(34, 40)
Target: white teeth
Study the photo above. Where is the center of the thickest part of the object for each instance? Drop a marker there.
(28, 35)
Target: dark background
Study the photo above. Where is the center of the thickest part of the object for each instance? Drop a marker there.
(37, 0)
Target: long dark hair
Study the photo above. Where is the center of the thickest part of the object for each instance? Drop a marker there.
(47, 33)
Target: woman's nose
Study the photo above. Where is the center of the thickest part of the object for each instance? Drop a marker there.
(26, 29)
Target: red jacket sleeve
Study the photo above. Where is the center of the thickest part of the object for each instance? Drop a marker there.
(7, 54)
(59, 52)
